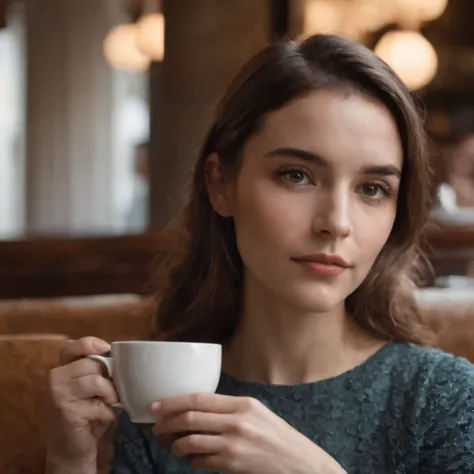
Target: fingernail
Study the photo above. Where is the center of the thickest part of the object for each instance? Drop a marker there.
(155, 406)
(102, 346)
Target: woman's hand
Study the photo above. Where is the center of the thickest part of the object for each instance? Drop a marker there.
(237, 435)
(81, 407)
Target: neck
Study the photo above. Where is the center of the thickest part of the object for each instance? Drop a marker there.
(279, 344)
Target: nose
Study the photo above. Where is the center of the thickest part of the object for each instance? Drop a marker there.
(333, 215)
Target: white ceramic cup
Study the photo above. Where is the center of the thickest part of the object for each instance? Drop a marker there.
(146, 371)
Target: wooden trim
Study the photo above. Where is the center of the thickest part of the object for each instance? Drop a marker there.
(3, 13)
(441, 236)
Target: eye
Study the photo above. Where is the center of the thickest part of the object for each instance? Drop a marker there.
(296, 177)
(376, 191)
(370, 189)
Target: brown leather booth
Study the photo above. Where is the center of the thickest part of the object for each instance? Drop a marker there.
(451, 314)
(110, 317)
(31, 332)
(25, 360)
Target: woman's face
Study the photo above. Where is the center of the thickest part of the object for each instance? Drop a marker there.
(316, 196)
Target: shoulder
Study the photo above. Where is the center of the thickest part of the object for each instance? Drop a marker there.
(442, 394)
(446, 385)
(433, 368)
(434, 377)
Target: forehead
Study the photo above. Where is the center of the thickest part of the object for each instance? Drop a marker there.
(338, 125)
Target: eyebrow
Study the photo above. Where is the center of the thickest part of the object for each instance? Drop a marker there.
(380, 170)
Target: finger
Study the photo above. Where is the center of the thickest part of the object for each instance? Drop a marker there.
(95, 410)
(194, 421)
(81, 368)
(91, 386)
(203, 402)
(108, 416)
(198, 444)
(76, 349)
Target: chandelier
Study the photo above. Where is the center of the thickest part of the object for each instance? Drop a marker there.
(132, 47)
(410, 55)
(407, 51)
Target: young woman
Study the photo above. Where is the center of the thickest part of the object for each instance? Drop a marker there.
(303, 221)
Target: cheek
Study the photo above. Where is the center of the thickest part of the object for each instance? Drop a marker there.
(267, 218)
(374, 233)
(256, 224)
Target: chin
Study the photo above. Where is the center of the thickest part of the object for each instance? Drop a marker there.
(315, 300)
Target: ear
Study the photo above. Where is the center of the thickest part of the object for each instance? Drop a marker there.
(218, 186)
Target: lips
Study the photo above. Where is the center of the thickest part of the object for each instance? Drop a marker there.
(325, 259)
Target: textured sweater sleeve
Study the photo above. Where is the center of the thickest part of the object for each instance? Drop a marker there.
(448, 445)
(133, 449)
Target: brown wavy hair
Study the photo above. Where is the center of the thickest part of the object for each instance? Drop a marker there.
(201, 298)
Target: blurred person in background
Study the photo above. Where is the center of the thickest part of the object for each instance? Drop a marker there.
(452, 152)
(459, 162)
(310, 194)
(137, 215)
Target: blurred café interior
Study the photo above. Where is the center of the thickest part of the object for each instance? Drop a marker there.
(103, 104)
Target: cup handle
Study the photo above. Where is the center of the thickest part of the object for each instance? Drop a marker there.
(107, 362)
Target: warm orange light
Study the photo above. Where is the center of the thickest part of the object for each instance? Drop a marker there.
(420, 10)
(372, 14)
(151, 36)
(322, 16)
(121, 50)
(410, 55)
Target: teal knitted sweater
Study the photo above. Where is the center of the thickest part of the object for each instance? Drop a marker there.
(405, 410)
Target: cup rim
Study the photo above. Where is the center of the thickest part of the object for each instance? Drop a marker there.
(167, 343)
